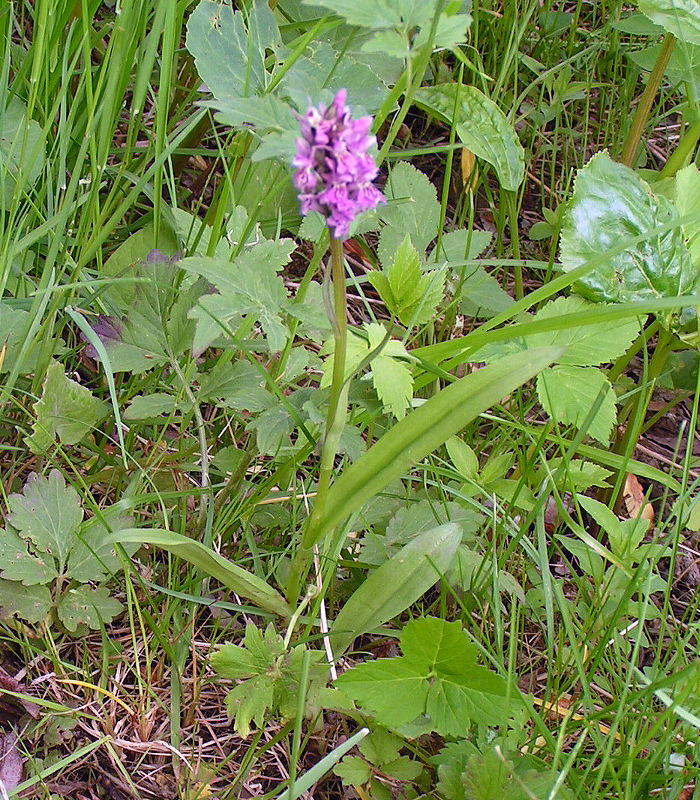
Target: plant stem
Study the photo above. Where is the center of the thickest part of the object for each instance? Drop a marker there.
(335, 418)
(641, 115)
(683, 151)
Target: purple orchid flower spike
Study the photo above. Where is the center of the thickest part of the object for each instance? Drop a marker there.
(334, 171)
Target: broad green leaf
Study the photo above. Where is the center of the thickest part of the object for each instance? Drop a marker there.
(437, 644)
(568, 394)
(236, 386)
(687, 200)
(451, 762)
(66, 409)
(151, 405)
(412, 210)
(393, 689)
(231, 575)
(91, 557)
(322, 71)
(22, 150)
(14, 323)
(30, 603)
(679, 17)
(609, 208)
(47, 513)
(18, 564)
(249, 701)
(424, 430)
(89, 606)
(353, 771)
(249, 285)
(481, 127)
(396, 584)
(463, 457)
(229, 47)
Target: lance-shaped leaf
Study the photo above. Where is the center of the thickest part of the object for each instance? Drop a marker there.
(424, 430)
(236, 578)
(400, 581)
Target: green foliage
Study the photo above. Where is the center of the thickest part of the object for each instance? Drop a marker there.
(66, 409)
(467, 774)
(22, 150)
(679, 17)
(49, 555)
(614, 221)
(397, 27)
(408, 293)
(481, 127)
(380, 757)
(269, 675)
(437, 678)
(398, 582)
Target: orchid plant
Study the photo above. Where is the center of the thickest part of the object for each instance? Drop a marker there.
(334, 176)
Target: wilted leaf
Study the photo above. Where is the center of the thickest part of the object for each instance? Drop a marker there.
(11, 767)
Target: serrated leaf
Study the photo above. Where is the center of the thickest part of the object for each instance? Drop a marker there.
(66, 409)
(249, 701)
(476, 696)
(393, 689)
(609, 207)
(236, 386)
(586, 345)
(229, 47)
(30, 603)
(89, 606)
(412, 210)
(679, 17)
(381, 747)
(481, 127)
(353, 771)
(250, 285)
(47, 513)
(92, 558)
(437, 645)
(568, 394)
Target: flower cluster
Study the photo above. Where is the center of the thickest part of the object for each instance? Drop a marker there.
(334, 172)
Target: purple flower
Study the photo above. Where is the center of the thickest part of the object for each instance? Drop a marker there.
(334, 172)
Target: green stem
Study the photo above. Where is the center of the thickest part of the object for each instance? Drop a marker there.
(515, 243)
(684, 149)
(641, 115)
(335, 419)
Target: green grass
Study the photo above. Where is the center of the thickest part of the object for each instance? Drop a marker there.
(119, 148)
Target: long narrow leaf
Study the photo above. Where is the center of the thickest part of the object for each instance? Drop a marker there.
(232, 576)
(423, 431)
(396, 584)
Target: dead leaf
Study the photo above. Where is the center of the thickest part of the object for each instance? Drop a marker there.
(635, 501)
(11, 769)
